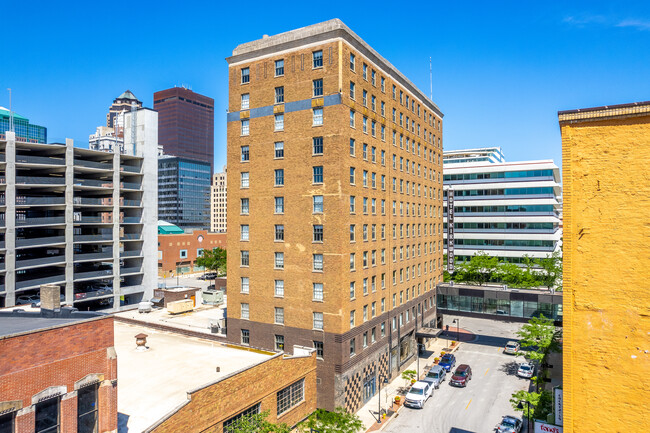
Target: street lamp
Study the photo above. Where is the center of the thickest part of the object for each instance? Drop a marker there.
(418, 358)
(384, 379)
(457, 322)
(521, 407)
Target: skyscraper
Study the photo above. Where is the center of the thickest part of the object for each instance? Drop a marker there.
(24, 130)
(186, 126)
(218, 201)
(335, 206)
(122, 103)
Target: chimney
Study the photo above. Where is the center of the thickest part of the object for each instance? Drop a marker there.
(50, 297)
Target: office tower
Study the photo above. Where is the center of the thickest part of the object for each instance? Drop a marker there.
(121, 104)
(105, 140)
(505, 209)
(24, 130)
(80, 219)
(186, 124)
(218, 202)
(335, 206)
(606, 260)
(184, 192)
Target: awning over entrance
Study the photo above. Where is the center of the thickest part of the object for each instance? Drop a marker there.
(428, 333)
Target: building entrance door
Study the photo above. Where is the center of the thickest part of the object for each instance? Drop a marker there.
(369, 387)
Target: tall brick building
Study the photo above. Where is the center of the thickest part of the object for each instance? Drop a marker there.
(185, 124)
(335, 206)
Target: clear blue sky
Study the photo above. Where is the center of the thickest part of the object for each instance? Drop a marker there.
(501, 70)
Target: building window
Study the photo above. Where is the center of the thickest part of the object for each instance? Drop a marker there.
(279, 339)
(383, 84)
(365, 98)
(352, 171)
(245, 312)
(318, 116)
(317, 145)
(87, 409)
(279, 288)
(279, 260)
(244, 179)
(245, 284)
(245, 127)
(352, 147)
(373, 77)
(279, 177)
(365, 71)
(365, 339)
(279, 319)
(245, 153)
(318, 233)
(352, 318)
(352, 90)
(352, 58)
(279, 149)
(352, 228)
(352, 348)
(351, 118)
(245, 75)
(318, 87)
(48, 416)
(245, 101)
(365, 124)
(279, 95)
(317, 174)
(244, 258)
(183, 254)
(352, 261)
(290, 396)
(317, 204)
(318, 320)
(317, 58)
(279, 122)
(279, 68)
(318, 345)
(279, 232)
(317, 260)
(243, 234)
(279, 205)
(352, 289)
(245, 339)
(352, 204)
(383, 329)
(318, 291)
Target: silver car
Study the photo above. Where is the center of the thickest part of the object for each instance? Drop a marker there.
(435, 376)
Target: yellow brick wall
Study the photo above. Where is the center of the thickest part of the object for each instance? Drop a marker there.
(606, 275)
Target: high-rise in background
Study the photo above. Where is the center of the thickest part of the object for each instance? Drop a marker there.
(24, 130)
(219, 202)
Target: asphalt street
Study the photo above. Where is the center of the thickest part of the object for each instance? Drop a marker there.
(480, 406)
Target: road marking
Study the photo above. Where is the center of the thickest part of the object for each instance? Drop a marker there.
(486, 372)
(470, 402)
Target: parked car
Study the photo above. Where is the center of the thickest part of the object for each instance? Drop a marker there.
(448, 361)
(526, 370)
(512, 348)
(461, 376)
(419, 393)
(435, 376)
(31, 300)
(208, 276)
(509, 424)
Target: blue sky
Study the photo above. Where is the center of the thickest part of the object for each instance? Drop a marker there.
(501, 70)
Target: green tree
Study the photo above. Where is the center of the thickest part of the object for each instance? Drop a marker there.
(510, 274)
(479, 270)
(539, 403)
(338, 421)
(551, 270)
(541, 336)
(256, 423)
(408, 375)
(214, 260)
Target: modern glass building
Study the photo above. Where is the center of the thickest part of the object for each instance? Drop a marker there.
(506, 209)
(184, 192)
(24, 130)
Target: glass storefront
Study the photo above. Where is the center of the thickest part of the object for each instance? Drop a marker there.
(501, 307)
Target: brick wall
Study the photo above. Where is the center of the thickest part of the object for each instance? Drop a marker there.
(171, 246)
(606, 258)
(208, 407)
(60, 357)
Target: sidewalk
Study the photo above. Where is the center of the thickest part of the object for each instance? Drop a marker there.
(368, 412)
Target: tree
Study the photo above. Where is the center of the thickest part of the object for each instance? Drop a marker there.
(541, 336)
(510, 274)
(552, 269)
(480, 269)
(214, 260)
(409, 375)
(539, 403)
(338, 421)
(256, 423)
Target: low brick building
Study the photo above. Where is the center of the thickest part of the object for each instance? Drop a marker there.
(177, 253)
(58, 370)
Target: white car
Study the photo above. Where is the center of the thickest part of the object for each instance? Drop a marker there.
(419, 393)
(526, 370)
(512, 348)
(509, 424)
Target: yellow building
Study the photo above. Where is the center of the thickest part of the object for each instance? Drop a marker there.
(606, 164)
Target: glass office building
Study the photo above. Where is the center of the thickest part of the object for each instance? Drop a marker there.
(184, 192)
(24, 130)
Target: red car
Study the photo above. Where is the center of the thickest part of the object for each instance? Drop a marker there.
(461, 376)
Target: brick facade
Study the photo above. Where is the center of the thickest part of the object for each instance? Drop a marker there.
(170, 247)
(56, 363)
(209, 406)
(397, 229)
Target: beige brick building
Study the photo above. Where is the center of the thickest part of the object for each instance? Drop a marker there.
(218, 202)
(335, 216)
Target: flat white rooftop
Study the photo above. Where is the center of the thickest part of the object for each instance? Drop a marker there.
(154, 382)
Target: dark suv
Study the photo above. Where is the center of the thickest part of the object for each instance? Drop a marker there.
(462, 375)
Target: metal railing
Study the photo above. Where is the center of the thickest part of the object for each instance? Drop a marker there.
(129, 202)
(131, 220)
(130, 185)
(94, 274)
(132, 270)
(39, 180)
(94, 219)
(93, 164)
(24, 200)
(30, 159)
(93, 182)
(40, 241)
(79, 296)
(106, 201)
(130, 169)
(38, 281)
(39, 261)
(40, 221)
(93, 256)
(94, 238)
(132, 253)
(131, 236)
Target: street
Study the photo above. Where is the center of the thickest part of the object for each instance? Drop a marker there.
(480, 406)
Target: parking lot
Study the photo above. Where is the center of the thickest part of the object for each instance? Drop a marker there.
(480, 406)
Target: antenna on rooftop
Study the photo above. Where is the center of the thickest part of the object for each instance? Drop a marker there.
(11, 113)
(430, 80)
